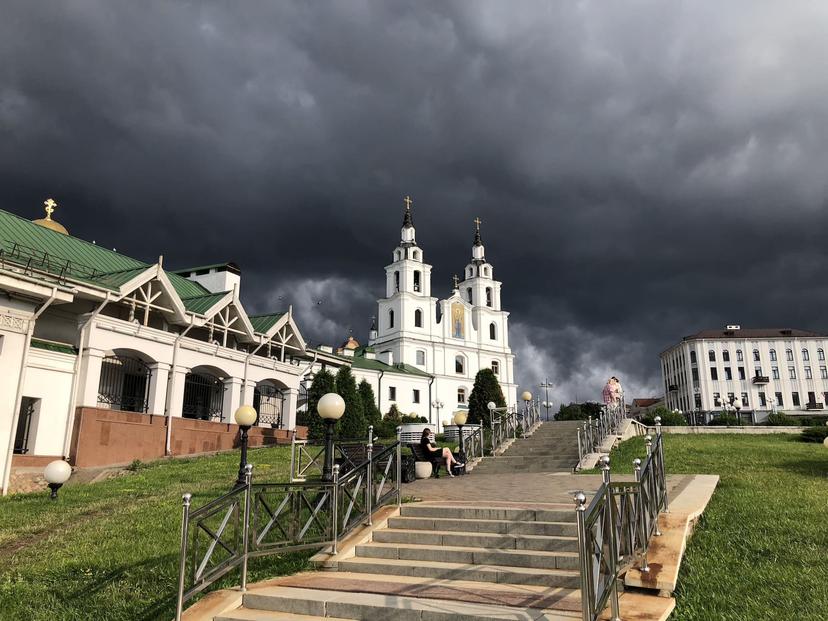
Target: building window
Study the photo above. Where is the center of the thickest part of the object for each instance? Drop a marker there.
(392, 393)
(459, 365)
(420, 357)
(789, 355)
(390, 319)
(825, 398)
(469, 295)
(758, 371)
(418, 318)
(485, 271)
(763, 402)
(741, 373)
(795, 399)
(416, 280)
(728, 374)
(744, 400)
(739, 356)
(779, 399)
(756, 355)
(489, 297)
(692, 357)
(730, 397)
(461, 395)
(811, 399)
(823, 372)
(805, 355)
(808, 373)
(268, 401)
(773, 355)
(22, 438)
(792, 372)
(717, 399)
(775, 372)
(493, 331)
(711, 355)
(203, 396)
(714, 373)
(695, 373)
(124, 384)
(416, 397)
(495, 367)
(726, 356)
(396, 281)
(821, 354)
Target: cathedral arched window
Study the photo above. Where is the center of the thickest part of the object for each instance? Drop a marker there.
(489, 297)
(418, 318)
(416, 255)
(397, 255)
(789, 355)
(461, 395)
(726, 356)
(805, 355)
(396, 281)
(469, 295)
(459, 365)
(485, 271)
(390, 319)
(495, 367)
(773, 355)
(493, 331)
(420, 357)
(416, 280)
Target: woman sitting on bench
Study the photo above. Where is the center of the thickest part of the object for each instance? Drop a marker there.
(436, 454)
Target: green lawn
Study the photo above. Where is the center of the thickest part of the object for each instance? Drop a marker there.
(109, 550)
(760, 550)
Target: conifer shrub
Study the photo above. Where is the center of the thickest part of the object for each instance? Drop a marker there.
(486, 388)
(352, 425)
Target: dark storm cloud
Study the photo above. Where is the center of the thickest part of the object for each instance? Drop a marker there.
(643, 169)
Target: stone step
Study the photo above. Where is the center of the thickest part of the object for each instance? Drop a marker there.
(472, 556)
(380, 607)
(478, 540)
(552, 513)
(532, 468)
(517, 461)
(565, 528)
(565, 578)
(253, 614)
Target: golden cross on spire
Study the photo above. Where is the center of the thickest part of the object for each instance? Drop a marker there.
(478, 222)
(407, 200)
(50, 207)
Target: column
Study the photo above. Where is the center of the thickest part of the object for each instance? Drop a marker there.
(90, 377)
(247, 392)
(175, 403)
(289, 412)
(157, 391)
(232, 398)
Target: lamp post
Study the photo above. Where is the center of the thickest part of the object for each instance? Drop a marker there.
(331, 407)
(527, 397)
(245, 417)
(438, 405)
(56, 474)
(460, 418)
(546, 385)
(737, 405)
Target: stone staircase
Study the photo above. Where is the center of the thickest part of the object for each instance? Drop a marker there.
(553, 447)
(441, 562)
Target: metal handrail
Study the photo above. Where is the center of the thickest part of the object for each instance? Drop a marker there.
(258, 519)
(614, 531)
(594, 432)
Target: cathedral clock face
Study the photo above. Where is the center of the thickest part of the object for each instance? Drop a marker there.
(458, 321)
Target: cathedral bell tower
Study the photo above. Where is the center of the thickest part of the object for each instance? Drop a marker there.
(479, 288)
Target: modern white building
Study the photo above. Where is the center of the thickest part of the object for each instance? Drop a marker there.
(90, 338)
(783, 369)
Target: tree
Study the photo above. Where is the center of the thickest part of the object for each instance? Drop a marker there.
(392, 420)
(486, 388)
(352, 425)
(369, 405)
(572, 411)
(322, 383)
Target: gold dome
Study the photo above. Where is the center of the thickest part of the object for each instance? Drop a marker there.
(47, 222)
(351, 343)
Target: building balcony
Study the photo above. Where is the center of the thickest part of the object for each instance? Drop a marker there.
(814, 406)
(672, 388)
(760, 379)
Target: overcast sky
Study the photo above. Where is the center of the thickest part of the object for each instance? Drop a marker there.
(643, 169)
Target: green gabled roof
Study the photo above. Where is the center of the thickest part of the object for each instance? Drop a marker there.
(263, 323)
(23, 241)
(360, 362)
(202, 303)
(62, 348)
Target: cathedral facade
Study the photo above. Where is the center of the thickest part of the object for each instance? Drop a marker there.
(450, 339)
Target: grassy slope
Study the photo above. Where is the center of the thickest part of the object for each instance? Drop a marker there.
(110, 550)
(761, 548)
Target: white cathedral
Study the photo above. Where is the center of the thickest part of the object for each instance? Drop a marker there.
(424, 352)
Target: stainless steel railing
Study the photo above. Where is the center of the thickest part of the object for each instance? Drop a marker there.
(259, 519)
(615, 529)
(594, 432)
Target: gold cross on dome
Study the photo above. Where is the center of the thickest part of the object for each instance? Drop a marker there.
(50, 207)
(407, 200)
(478, 222)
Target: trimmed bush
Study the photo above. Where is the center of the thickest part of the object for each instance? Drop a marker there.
(814, 434)
(780, 419)
(725, 420)
(668, 418)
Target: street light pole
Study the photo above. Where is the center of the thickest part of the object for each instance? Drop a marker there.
(546, 385)
(437, 405)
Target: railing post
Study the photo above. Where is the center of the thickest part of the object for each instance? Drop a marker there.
(613, 537)
(583, 555)
(399, 466)
(369, 483)
(335, 509)
(645, 567)
(580, 449)
(248, 490)
(662, 471)
(293, 456)
(648, 441)
(182, 561)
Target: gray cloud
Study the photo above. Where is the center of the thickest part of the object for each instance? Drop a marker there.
(643, 169)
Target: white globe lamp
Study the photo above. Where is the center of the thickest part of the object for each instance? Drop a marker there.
(56, 474)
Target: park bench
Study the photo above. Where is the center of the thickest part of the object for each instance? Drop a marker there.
(420, 455)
